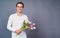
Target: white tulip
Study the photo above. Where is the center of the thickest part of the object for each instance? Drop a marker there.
(34, 27)
(33, 23)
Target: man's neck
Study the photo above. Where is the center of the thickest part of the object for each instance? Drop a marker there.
(19, 14)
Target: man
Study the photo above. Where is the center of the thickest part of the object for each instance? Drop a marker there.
(15, 22)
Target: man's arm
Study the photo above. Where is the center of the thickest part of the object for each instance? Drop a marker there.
(27, 20)
(9, 27)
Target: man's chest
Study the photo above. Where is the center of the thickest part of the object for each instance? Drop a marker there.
(17, 22)
(18, 19)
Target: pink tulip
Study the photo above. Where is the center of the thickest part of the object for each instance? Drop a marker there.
(31, 25)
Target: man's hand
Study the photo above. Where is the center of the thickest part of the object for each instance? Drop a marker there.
(18, 31)
(26, 27)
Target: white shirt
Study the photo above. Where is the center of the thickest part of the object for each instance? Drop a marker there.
(15, 22)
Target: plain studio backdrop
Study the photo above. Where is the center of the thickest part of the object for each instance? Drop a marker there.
(45, 13)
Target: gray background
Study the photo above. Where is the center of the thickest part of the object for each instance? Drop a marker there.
(45, 13)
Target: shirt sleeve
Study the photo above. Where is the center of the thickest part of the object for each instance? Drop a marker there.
(26, 19)
(9, 24)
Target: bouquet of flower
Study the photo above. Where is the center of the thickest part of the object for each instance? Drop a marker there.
(25, 24)
(30, 25)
